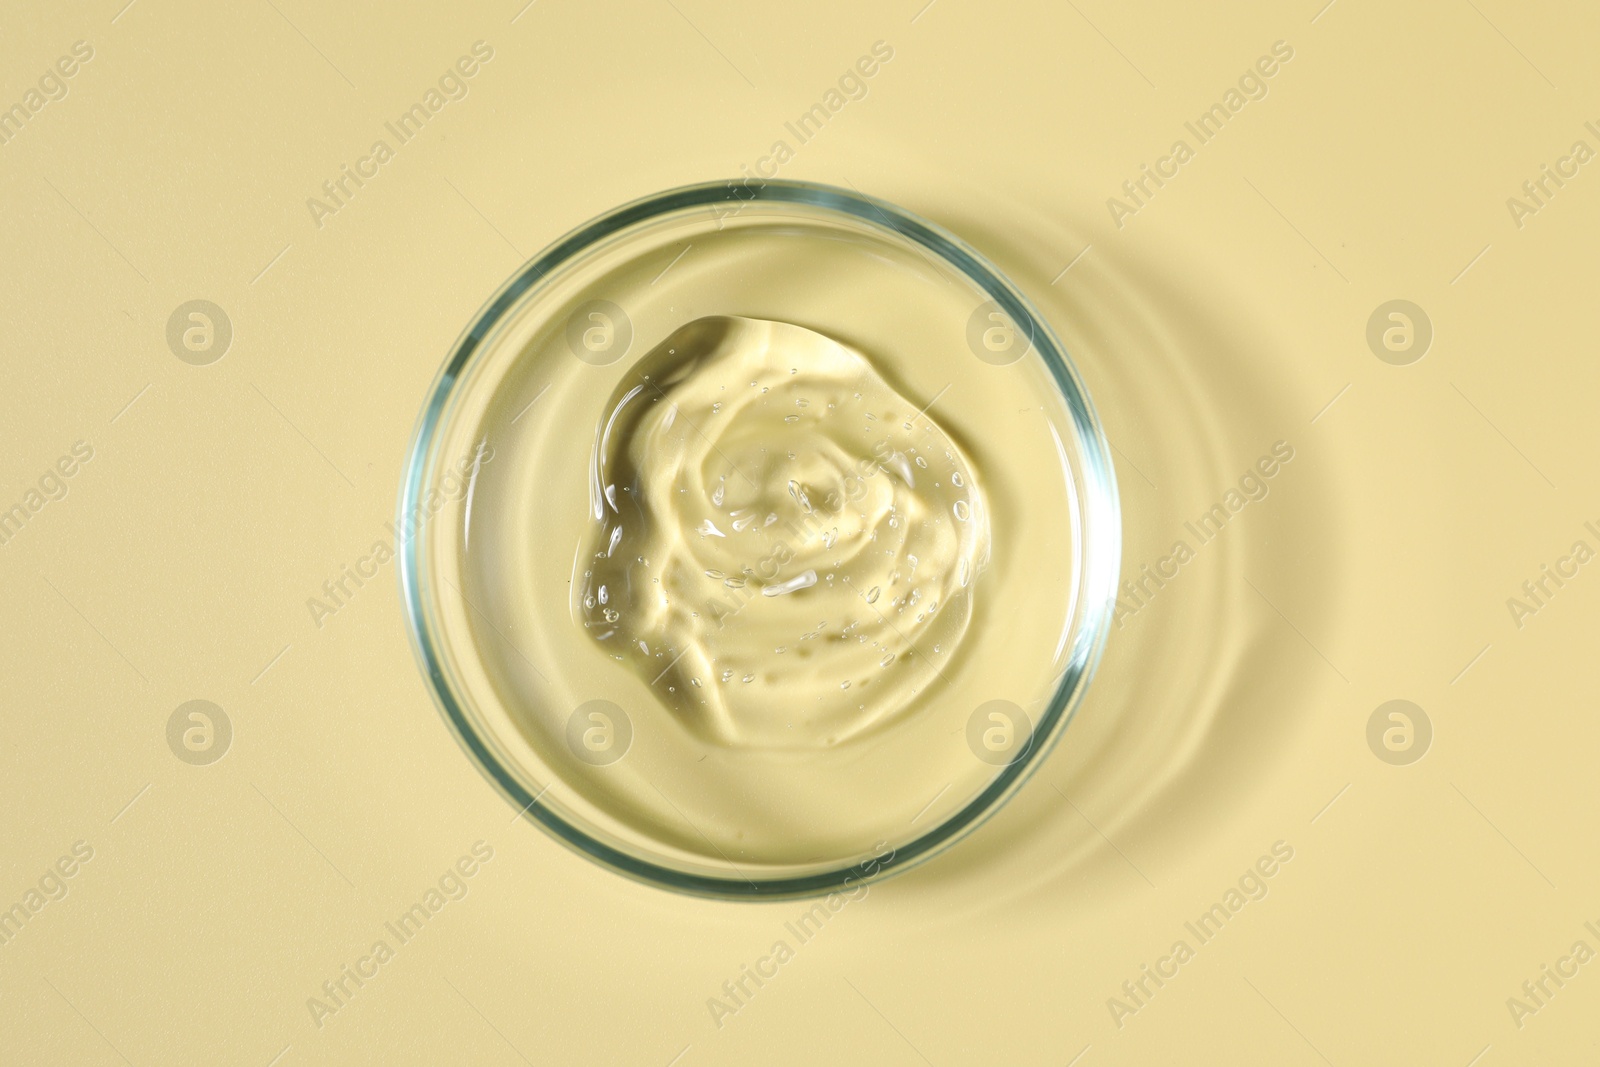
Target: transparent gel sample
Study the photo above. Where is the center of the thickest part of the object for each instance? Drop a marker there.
(784, 547)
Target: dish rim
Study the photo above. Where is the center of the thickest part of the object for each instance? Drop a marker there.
(1100, 523)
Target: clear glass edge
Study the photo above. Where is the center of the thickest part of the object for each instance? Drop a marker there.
(1101, 525)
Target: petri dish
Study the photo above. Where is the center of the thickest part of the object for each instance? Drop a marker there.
(758, 540)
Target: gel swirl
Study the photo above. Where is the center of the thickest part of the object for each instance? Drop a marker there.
(783, 546)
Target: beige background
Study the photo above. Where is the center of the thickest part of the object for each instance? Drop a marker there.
(1231, 712)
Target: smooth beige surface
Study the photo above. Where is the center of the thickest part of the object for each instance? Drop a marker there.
(1227, 313)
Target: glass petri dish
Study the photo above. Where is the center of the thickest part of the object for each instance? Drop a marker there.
(690, 779)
